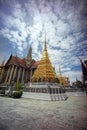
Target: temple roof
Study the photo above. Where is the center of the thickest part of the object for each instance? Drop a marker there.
(16, 61)
(35, 64)
(21, 62)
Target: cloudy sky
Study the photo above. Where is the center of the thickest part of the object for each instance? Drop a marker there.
(24, 23)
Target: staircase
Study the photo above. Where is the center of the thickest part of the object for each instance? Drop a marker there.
(45, 96)
(58, 97)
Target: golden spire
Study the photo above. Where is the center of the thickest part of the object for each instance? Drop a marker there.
(44, 71)
(45, 47)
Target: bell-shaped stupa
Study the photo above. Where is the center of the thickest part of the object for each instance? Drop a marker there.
(44, 71)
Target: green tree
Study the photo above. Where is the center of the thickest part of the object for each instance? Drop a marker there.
(17, 91)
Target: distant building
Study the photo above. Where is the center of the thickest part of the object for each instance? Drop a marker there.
(63, 80)
(66, 81)
(77, 84)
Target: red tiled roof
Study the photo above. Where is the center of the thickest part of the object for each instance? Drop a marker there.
(35, 64)
(18, 61)
(21, 62)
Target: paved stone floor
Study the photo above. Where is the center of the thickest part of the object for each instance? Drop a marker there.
(28, 114)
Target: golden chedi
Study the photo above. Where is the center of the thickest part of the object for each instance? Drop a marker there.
(63, 80)
(44, 71)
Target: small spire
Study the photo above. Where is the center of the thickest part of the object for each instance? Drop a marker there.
(60, 76)
(29, 55)
(16, 53)
(60, 71)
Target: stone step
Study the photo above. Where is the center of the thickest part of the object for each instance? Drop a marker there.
(32, 95)
(45, 96)
(76, 93)
(58, 97)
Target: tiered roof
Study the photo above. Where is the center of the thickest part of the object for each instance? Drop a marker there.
(16, 61)
(21, 62)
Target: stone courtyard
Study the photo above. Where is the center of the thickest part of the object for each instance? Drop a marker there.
(29, 114)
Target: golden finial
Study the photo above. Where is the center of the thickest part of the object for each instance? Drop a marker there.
(45, 47)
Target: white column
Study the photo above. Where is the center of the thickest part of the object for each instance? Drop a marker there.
(15, 72)
(26, 74)
(19, 72)
(8, 72)
(30, 75)
(2, 71)
(12, 68)
(23, 75)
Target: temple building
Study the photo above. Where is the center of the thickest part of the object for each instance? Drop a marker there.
(44, 71)
(17, 70)
(66, 81)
